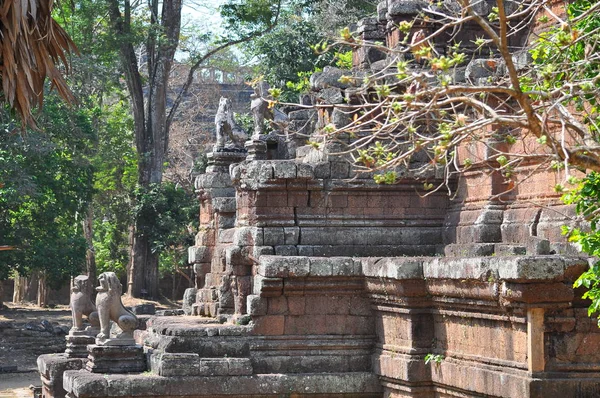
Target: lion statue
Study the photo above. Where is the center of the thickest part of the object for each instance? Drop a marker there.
(81, 304)
(110, 308)
(229, 135)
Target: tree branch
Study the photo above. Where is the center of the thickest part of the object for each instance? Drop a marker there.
(199, 62)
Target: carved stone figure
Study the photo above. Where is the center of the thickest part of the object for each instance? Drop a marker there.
(229, 135)
(110, 308)
(260, 108)
(81, 304)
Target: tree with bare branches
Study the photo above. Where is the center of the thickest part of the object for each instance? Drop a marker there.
(505, 87)
(439, 90)
(148, 96)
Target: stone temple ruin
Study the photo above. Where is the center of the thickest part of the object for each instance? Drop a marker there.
(312, 281)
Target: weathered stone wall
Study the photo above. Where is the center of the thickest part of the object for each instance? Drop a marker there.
(290, 208)
(22, 341)
(494, 326)
(318, 210)
(312, 314)
(333, 286)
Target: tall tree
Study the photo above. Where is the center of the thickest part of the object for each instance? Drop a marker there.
(152, 120)
(46, 186)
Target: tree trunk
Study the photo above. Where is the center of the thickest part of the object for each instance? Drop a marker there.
(1, 294)
(150, 122)
(20, 289)
(90, 256)
(42, 291)
(174, 286)
(32, 287)
(143, 269)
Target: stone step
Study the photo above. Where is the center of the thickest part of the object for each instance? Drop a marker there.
(189, 364)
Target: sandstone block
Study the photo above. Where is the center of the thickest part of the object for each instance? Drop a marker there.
(248, 236)
(320, 266)
(226, 235)
(304, 171)
(393, 268)
(537, 246)
(213, 180)
(189, 298)
(225, 222)
(283, 267)
(267, 287)
(296, 305)
(236, 255)
(256, 305)
(291, 235)
(530, 267)
(340, 170)
(345, 266)
(269, 325)
(199, 254)
(224, 205)
(277, 305)
(322, 170)
(273, 236)
(205, 238)
(284, 169)
(258, 251)
(405, 8)
(286, 250)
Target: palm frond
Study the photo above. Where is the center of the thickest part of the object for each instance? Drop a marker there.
(32, 44)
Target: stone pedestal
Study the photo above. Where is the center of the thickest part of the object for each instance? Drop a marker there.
(257, 149)
(115, 359)
(219, 161)
(51, 368)
(77, 345)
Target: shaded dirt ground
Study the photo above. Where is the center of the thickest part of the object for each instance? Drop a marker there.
(16, 384)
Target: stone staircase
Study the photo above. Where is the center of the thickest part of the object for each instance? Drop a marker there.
(184, 346)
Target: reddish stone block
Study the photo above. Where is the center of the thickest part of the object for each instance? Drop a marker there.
(269, 325)
(376, 200)
(205, 238)
(322, 305)
(277, 305)
(298, 199)
(337, 200)
(358, 200)
(311, 211)
(274, 210)
(360, 306)
(374, 211)
(205, 217)
(356, 212)
(277, 199)
(295, 185)
(315, 324)
(296, 305)
(397, 211)
(317, 199)
(362, 325)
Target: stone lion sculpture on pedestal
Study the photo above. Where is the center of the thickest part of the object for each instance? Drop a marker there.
(229, 134)
(81, 304)
(110, 308)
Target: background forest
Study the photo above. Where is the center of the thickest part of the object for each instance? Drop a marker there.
(105, 182)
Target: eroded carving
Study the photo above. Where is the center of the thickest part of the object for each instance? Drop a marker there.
(229, 135)
(260, 108)
(81, 304)
(110, 308)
